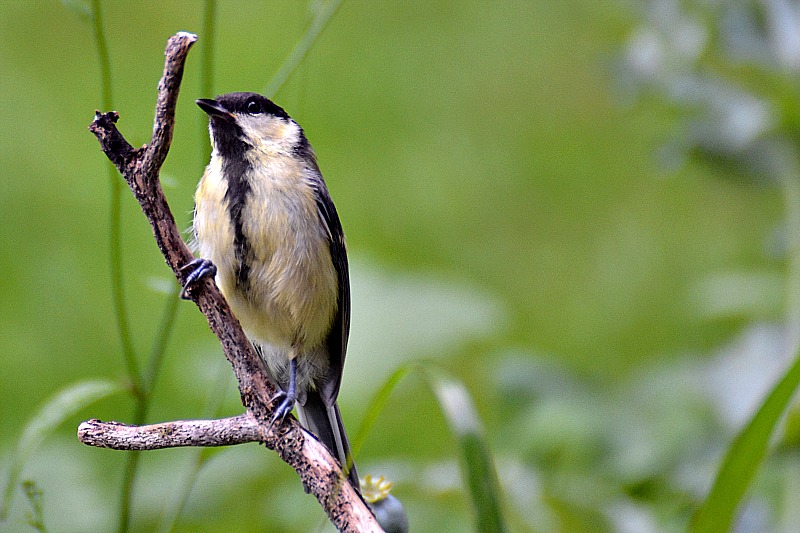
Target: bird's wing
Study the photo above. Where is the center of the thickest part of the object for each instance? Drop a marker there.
(340, 330)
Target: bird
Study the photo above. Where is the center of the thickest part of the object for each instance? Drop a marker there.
(265, 226)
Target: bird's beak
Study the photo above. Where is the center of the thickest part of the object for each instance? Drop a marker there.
(215, 109)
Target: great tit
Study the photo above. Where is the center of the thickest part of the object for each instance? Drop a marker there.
(265, 224)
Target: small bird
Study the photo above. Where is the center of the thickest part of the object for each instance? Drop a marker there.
(265, 225)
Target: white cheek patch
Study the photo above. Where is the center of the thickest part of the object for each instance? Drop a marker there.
(270, 134)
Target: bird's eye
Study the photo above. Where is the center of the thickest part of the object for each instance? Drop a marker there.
(254, 108)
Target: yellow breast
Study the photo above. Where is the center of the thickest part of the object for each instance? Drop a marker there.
(290, 296)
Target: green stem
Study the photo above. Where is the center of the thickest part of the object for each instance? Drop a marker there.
(154, 364)
(115, 215)
(207, 72)
(129, 476)
(117, 279)
(289, 65)
(199, 455)
(159, 346)
(143, 405)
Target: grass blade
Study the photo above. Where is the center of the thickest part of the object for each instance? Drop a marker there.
(377, 405)
(744, 456)
(324, 15)
(476, 459)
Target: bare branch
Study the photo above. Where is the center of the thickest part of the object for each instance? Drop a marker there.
(225, 432)
(318, 470)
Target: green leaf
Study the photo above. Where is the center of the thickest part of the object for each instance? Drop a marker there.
(476, 459)
(744, 457)
(63, 405)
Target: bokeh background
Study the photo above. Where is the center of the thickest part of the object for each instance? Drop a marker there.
(581, 210)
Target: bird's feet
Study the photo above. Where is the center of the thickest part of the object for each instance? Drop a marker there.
(287, 397)
(200, 268)
(287, 401)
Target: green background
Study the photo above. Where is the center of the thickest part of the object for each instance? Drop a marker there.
(507, 217)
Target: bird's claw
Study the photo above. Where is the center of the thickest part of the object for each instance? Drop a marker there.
(200, 268)
(284, 408)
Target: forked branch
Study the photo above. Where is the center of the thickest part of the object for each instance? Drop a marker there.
(318, 470)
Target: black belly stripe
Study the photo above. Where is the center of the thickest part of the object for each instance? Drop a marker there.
(235, 169)
(230, 144)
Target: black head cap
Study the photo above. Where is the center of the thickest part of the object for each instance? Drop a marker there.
(243, 104)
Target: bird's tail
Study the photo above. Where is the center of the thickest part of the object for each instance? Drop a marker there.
(325, 422)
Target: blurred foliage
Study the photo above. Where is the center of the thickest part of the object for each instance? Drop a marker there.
(732, 69)
(585, 211)
(34, 495)
(62, 406)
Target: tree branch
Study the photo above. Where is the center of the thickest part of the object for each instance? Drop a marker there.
(224, 432)
(318, 470)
